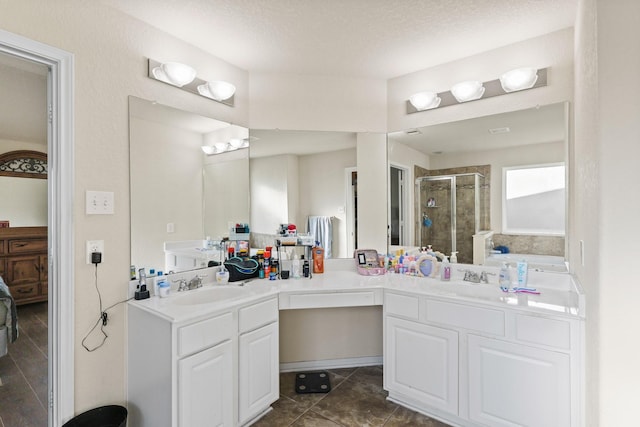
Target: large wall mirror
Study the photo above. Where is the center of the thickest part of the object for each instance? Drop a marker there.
(180, 195)
(483, 186)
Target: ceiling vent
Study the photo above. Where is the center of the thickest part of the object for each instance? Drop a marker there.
(496, 131)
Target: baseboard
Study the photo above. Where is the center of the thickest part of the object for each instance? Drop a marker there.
(315, 365)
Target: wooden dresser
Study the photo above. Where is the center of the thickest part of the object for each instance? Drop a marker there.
(23, 263)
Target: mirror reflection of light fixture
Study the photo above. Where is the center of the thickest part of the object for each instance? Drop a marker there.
(467, 91)
(519, 79)
(184, 77)
(174, 73)
(229, 138)
(425, 100)
(217, 90)
(511, 81)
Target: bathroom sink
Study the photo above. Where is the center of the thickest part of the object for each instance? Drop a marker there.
(210, 294)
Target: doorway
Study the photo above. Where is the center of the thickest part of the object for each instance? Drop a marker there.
(351, 190)
(59, 260)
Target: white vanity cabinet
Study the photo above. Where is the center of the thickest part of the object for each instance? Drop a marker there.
(482, 365)
(259, 375)
(220, 369)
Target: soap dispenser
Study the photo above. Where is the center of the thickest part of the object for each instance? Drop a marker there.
(454, 257)
(505, 276)
(445, 270)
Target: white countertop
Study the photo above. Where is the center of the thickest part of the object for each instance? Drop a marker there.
(559, 293)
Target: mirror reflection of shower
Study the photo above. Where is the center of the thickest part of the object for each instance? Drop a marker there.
(451, 209)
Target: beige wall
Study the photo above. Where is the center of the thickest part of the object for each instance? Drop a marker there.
(110, 51)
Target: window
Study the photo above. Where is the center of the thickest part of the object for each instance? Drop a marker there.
(533, 200)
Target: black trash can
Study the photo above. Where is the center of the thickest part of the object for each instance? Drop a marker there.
(104, 416)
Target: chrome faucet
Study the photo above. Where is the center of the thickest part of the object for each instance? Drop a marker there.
(182, 285)
(196, 281)
(484, 278)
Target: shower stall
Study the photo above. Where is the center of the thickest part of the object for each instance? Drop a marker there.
(450, 210)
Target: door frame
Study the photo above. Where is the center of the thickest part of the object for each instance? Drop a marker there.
(350, 210)
(406, 227)
(60, 218)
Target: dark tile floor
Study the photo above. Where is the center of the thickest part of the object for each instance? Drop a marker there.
(356, 399)
(23, 372)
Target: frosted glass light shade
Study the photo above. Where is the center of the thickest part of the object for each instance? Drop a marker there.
(467, 91)
(217, 90)
(207, 149)
(174, 73)
(519, 79)
(425, 100)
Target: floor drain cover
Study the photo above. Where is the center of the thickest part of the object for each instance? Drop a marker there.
(313, 382)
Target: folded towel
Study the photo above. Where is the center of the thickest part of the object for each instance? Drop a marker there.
(11, 321)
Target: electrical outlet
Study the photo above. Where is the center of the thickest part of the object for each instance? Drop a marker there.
(94, 246)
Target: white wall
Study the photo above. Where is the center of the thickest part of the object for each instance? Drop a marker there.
(303, 102)
(269, 193)
(103, 39)
(554, 50)
(551, 152)
(372, 191)
(323, 192)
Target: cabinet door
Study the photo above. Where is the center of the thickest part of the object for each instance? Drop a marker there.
(517, 385)
(205, 388)
(421, 362)
(23, 270)
(259, 371)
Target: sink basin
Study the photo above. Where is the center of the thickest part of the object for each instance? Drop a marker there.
(207, 295)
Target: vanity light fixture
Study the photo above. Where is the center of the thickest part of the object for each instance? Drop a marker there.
(174, 73)
(467, 91)
(512, 81)
(184, 77)
(217, 90)
(519, 79)
(425, 100)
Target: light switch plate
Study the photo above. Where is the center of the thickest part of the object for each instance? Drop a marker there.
(99, 203)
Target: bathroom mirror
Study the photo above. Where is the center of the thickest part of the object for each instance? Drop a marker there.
(302, 176)
(447, 182)
(179, 193)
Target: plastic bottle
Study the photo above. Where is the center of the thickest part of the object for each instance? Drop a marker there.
(295, 267)
(505, 276)
(317, 254)
(445, 270)
(163, 287)
(521, 270)
(454, 257)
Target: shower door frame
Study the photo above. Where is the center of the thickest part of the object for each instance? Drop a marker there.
(454, 214)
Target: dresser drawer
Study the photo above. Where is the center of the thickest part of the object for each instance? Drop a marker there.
(538, 330)
(24, 292)
(407, 306)
(259, 314)
(466, 316)
(206, 333)
(332, 299)
(18, 246)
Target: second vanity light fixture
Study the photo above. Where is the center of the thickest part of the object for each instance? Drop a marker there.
(511, 81)
(184, 77)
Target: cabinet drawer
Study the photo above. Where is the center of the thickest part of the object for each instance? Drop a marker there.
(402, 305)
(24, 291)
(465, 316)
(18, 246)
(538, 330)
(334, 299)
(259, 314)
(204, 334)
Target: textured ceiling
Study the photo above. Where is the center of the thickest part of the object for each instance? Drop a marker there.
(360, 38)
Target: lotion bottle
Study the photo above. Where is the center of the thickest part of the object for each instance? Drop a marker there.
(454, 257)
(445, 270)
(505, 276)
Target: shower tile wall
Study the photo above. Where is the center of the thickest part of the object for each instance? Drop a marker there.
(522, 244)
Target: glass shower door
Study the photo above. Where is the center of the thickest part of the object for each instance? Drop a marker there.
(438, 224)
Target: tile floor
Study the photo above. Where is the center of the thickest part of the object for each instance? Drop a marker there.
(23, 371)
(356, 399)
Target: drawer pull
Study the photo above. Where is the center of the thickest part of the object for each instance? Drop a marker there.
(25, 291)
(20, 245)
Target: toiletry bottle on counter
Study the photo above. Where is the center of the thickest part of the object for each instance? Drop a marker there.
(317, 254)
(445, 270)
(454, 257)
(305, 266)
(505, 276)
(522, 270)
